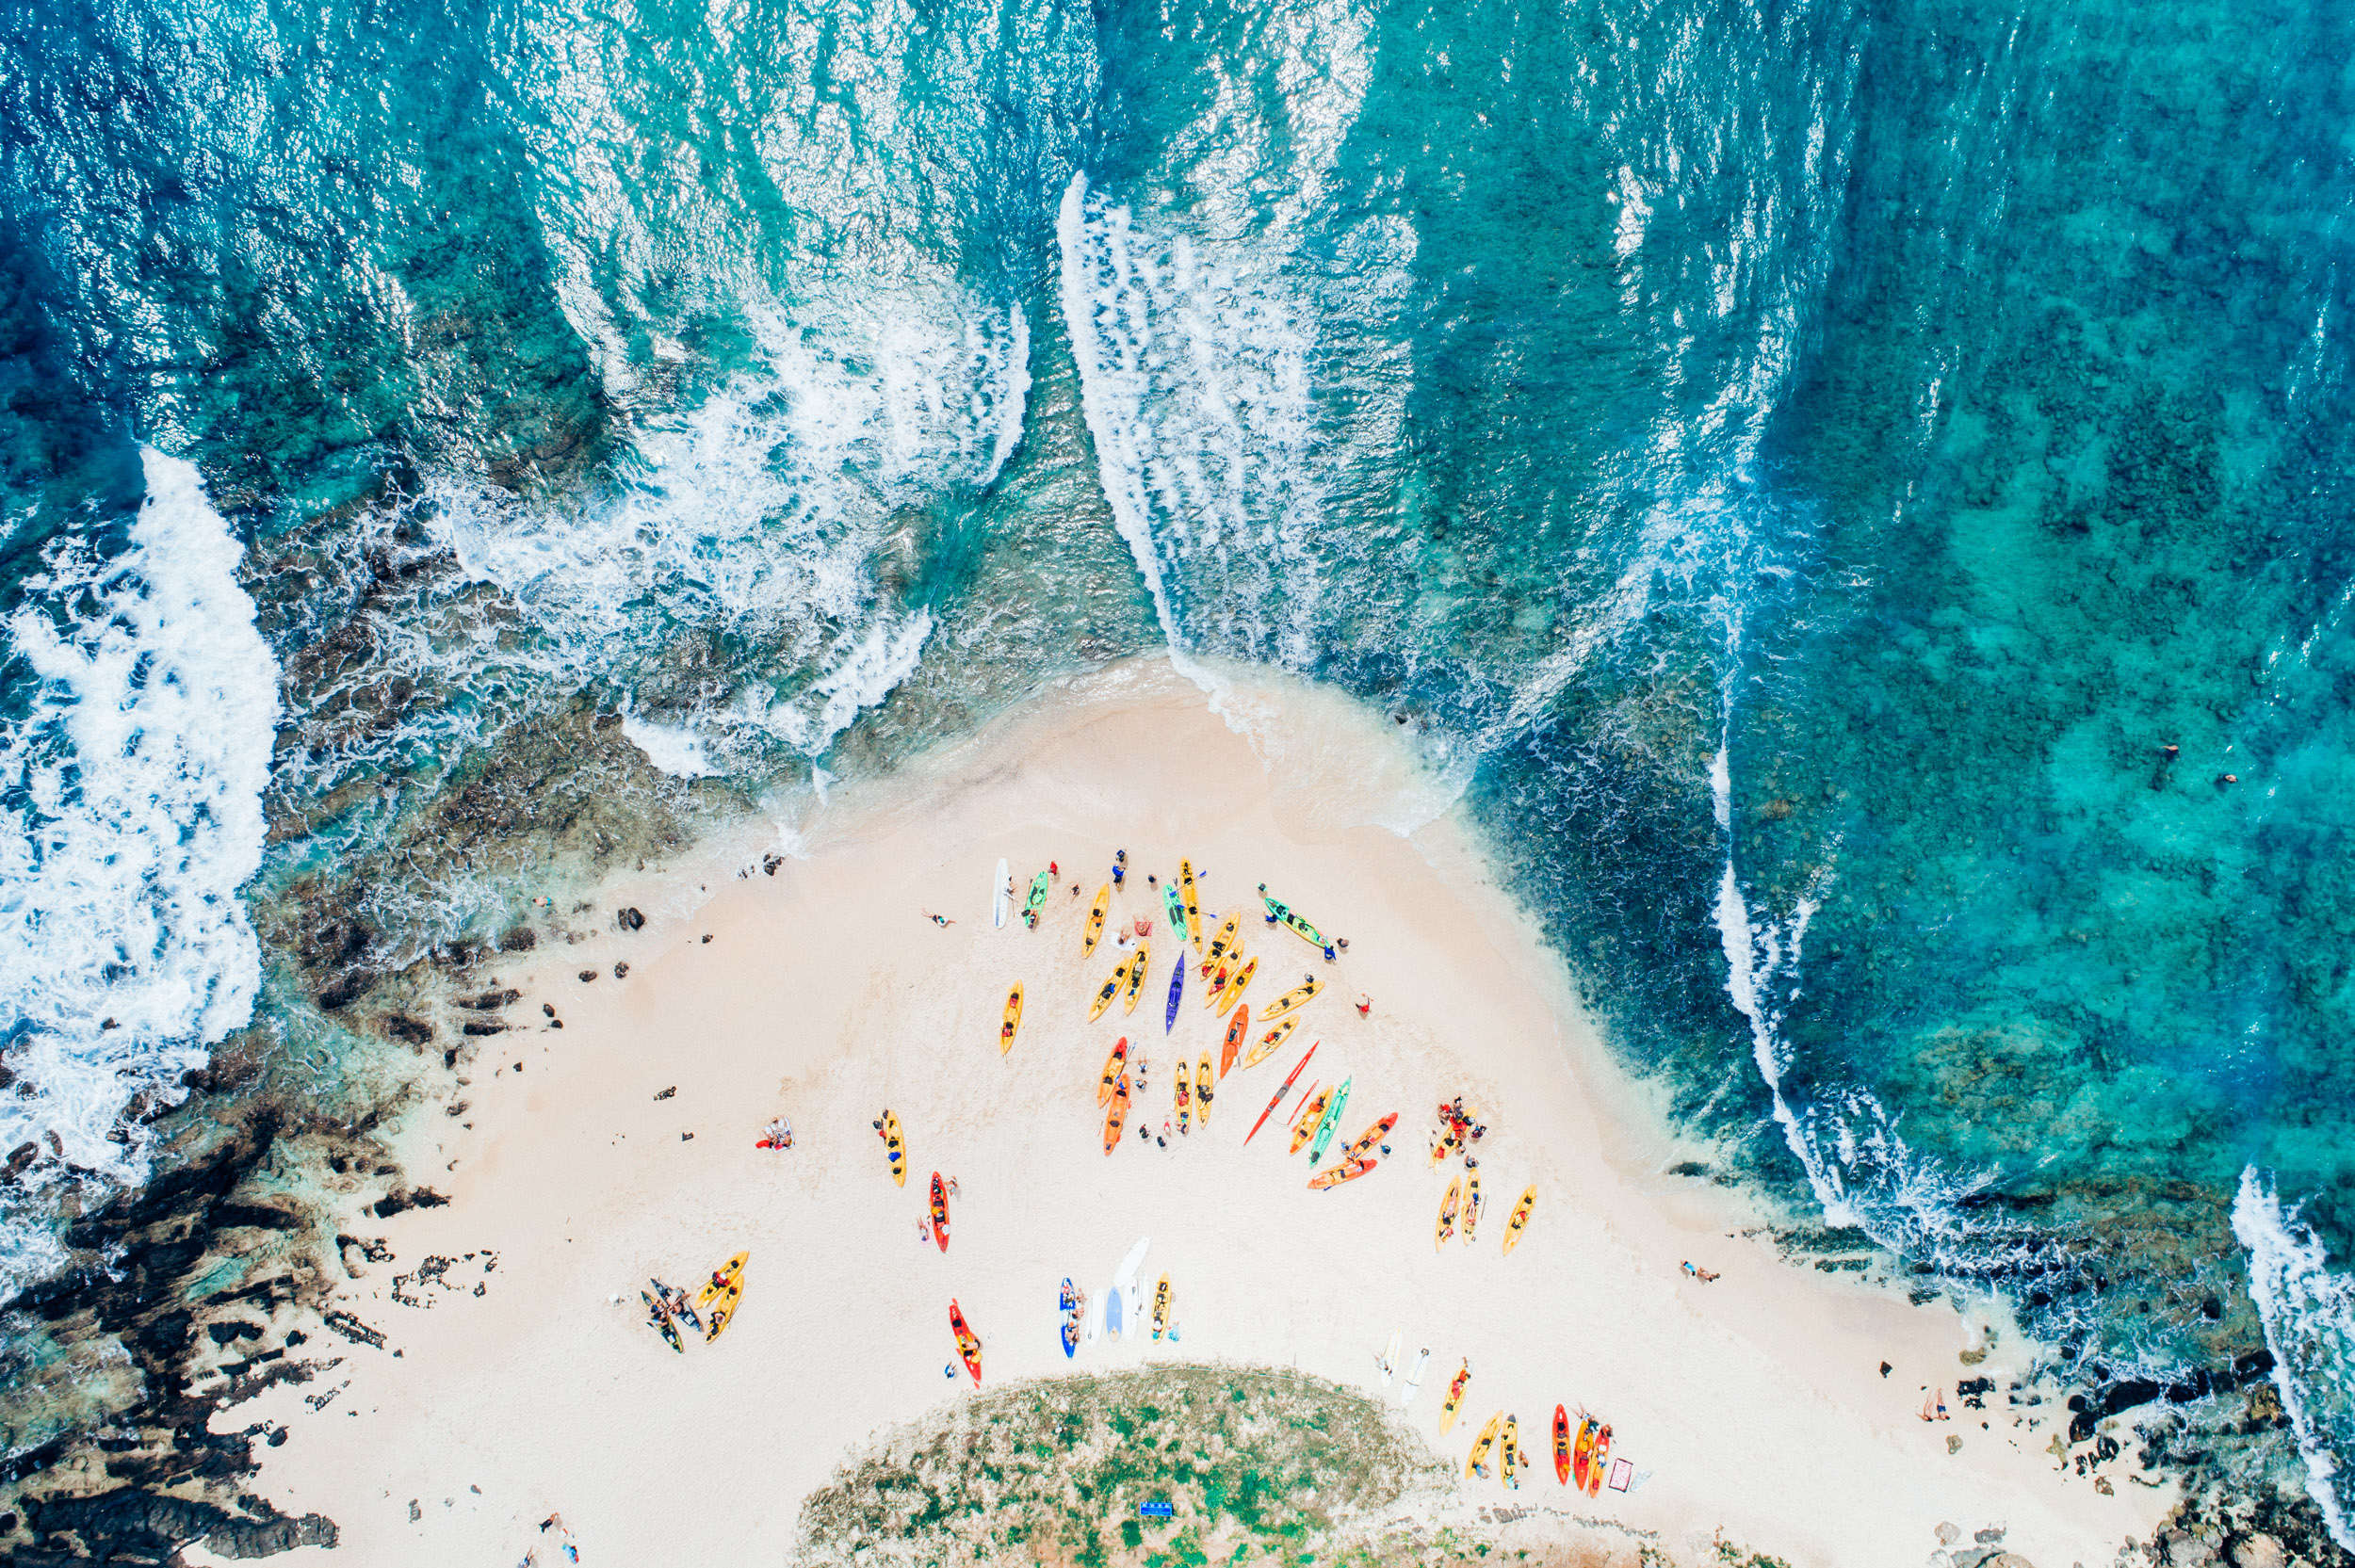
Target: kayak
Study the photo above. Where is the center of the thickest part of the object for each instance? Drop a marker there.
(998, 897)
(1583, 1453)
(1347, 1171)
(1275, 1037)
(1176, 990)
(1070, 1303)
(940, 1211)
(1221, 944)
(1509, 1454)
(662, 1319)
(1173, 906)
(1114, 1065)
(1136, 978)
(1471, 1205)
(1185, 1096)
(1447, 1212)
(1330, 1124)
(1235, 1027)
(1218, 971)
(1286, 1089)
(680, 1309)
(895, 1148)
(1371, 1136)
(1161, 1307)
(1201, 1089)
(718, 1282)
(1194, 908)
(1013, 1018)
(1454, 1396)
(1520, 1217)
(1112, 988)
(1037, 900)
(1233, 992)
(1305, 1127)
(724, 1293)
(1095, 920)
(1116, 1113)
(1561, 1446)
(1602, 1461)
(1414, 1379)
(1477, 1462)
(969, 1343)
(1291, 999)
(1280, 913)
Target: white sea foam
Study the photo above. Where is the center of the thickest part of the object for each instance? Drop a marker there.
(676, 750)
(2308, 1318)
(139, 768)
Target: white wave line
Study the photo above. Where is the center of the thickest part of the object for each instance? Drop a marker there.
(2308, 1313)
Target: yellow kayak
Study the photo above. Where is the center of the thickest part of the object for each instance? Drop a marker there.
(1454, 1396)
(1161, 1307)
(1471, 1205)
(1291, 999)
(1095, 919)
(1520, 1217)
(1447, 1212)
(1310, 1114)
(1193, 909)
(1202, 1090)
(1221, 942)
(1220, 970)
(1275, 1038)
(1477, 1463)
(1112, 988)
(1233, 992)
(1013, 1018)
(895, 1148)
(1136, 979)
(1509, 1453)
(720, 1295)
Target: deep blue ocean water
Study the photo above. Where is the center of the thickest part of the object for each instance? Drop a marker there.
(1798, 465)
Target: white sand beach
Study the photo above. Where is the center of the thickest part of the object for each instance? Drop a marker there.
(1754, 1405)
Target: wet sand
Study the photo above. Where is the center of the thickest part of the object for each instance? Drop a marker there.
(1754, 1405)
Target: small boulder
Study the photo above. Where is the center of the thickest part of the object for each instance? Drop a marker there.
(2258, 1551)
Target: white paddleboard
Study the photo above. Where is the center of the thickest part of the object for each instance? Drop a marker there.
(1414, 1379)
(1390, 1358)
(1134, 1261)
(1112, 1312)
(998, 898)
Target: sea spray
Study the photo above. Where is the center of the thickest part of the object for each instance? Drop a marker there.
(2309, 1317)
(134, 785)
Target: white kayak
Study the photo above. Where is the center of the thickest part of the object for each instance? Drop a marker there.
(1414, 1379)
(1124, 1284)
(998, 898)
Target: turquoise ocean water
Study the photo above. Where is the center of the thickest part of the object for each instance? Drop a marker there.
(1799, 466)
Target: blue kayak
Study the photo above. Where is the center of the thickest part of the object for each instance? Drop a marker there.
(1177, 989)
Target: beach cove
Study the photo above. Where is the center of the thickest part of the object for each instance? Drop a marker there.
(577, 1162)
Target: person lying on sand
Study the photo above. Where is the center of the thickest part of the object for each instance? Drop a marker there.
(780, 1132)
(938, 919)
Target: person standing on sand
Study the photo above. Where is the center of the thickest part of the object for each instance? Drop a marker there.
(1120, 867)
(1365, 1005)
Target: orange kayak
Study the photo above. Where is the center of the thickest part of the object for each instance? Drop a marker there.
(1235, 1027)
(969, 1343)
(1600, 1464)
(1305, 1127)
(1114, 1065)
(1371, 1136)
(1582, 1455)
(1561, 1445)
(1117, 1116)
(940, 1212)
(1348, 1171)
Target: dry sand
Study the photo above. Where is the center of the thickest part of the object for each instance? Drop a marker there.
(1755, 1403)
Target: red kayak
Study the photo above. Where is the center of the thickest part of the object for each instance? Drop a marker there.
(1561, 1445)
(940, 1212)
(1280, 1093)
(1348, 1171)
(969, 1343)
(1371, 1136)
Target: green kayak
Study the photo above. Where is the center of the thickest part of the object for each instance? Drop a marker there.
(1282, 913)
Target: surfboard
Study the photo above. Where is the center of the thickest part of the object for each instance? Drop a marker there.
(1012, 1019)
(1112, 1312)
(1331, 1122)
(895, 1148)
(1201, 1089)
(998, 897)
(1095, 920)
(1233, 992)
(1133, 1262)
(1297, 996)
(1445, 1227)
(1136, 979)
(1111, 988)
(1194, 908)
(1173, 906)
(1269, 1042)
(969, 1343)
(1235, 1027)
(1115, 1066)
(940, 1211)
(1454, 1396)
(1414, 1379)
(1477, 1462)
(1222, 942)
(1115, 1113)
(1514, 1226)
(1388, 1361)
(1176, 990)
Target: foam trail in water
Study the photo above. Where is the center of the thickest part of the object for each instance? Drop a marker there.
(2308, 1318)
(135, 785)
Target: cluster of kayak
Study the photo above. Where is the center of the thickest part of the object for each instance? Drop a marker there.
(1582, 1454)
(710, 1313)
